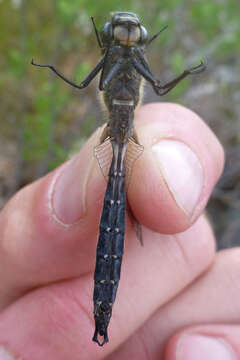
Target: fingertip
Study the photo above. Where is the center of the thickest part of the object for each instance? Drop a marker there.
(204, 342)
(181, 163)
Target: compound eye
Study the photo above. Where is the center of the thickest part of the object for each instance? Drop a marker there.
(144, 35)
(106, 33)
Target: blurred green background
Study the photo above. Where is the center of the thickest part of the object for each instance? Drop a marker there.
(44, 121)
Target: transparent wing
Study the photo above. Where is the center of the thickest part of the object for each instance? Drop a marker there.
(133, 152)
(103, 153)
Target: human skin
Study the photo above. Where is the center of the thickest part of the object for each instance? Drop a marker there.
(174, 286)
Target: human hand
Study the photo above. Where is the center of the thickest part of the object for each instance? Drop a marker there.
(47, 251)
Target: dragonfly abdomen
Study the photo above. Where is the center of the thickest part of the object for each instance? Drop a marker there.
(110, 244)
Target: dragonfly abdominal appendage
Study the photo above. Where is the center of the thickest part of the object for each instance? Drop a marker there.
(103, 313)
(123, 42)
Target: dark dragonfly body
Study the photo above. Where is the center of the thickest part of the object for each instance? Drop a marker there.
(123, 42)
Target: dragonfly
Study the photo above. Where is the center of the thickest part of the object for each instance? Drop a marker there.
(123, 66)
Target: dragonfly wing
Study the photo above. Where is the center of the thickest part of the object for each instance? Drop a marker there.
(103, 153)
(134, 150)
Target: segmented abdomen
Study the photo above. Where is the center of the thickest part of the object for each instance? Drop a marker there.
(110, 243)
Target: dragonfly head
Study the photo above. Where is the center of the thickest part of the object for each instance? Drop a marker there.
(102, 316)
(124, 29)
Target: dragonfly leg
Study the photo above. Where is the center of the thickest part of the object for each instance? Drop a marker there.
(143, 68)
(143, 61)
(105, 80)
(164, 89)
(84, 83)
(145, 72)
